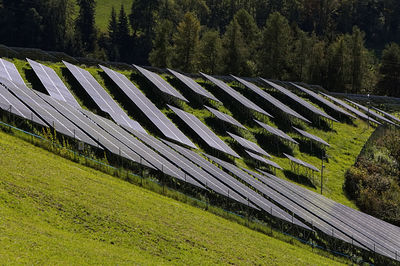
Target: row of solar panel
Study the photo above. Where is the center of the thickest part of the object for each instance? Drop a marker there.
(57, 89)
(103, 133)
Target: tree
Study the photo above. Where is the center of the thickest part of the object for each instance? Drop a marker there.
(210, 51)
(112, 48)
(186, 41)
(122, 35)
(251, 37)
(142, 20)
(236, 53)
(85, 25)
(275, 49)
(389, 84)
(357, 59)
(160, 55)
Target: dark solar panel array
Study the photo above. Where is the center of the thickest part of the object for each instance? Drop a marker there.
(10, 72)
(102, 99)
(137, 146)
(236, 95)
(193, 174)
(263, 160)
(367, 231)
(160, 83)
(53, 84)
(216, 185)
(224, 117)
(302, 163)
(323, 101)
(390, 116)
(47, 113)
(105, 139)
(193, 85)
(249, 145)
(264, 204)
(167, 128)
(9, 103)
(276, 132)
(231, 182)
(311, 136)
(204, 132)
(299, 100)
(266, 96)
(368, 111)
(350, 108)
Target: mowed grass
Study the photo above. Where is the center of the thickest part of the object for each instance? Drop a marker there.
(53, 211)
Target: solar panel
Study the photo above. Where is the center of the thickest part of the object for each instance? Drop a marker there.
(390, 116)
(137, 146)
(311, 136)
(266, 96)
(9, 103)
(53, 84)
(266, 204)
(368, 111)
(323, 101)
(192, 173)
(234, 189)
(193, 85)
(367, 230)
(216, 185)
(299, 100)
(263, 160)
(350, 108)
(167, 128)
(10, 72)
(305, 210)
(102, 99)
(160, 83)
(236, 95)
(276, 132)
(247, 144)
(302, 163)
(204, 132)
(224, 117)
(47, 113)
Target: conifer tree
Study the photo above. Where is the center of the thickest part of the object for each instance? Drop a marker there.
(85, 25)
(122, 35)
(113, 52)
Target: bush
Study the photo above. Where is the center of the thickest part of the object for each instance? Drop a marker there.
(373, 182)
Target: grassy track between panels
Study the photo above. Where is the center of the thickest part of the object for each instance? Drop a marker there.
(55, 211)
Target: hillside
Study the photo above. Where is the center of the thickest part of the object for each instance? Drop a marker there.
(54, 211)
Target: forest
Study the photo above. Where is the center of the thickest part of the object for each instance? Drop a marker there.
(345, 46)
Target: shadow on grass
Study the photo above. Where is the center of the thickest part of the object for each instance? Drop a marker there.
(300, 178)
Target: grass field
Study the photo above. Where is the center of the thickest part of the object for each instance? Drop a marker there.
(53, 211)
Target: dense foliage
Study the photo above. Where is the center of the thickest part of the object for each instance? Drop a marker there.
(337, 44)
(374, 180)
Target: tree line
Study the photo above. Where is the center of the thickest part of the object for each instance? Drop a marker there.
(350, 46)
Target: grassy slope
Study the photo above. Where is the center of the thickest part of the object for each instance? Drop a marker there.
(103, 11)
(55, 211)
